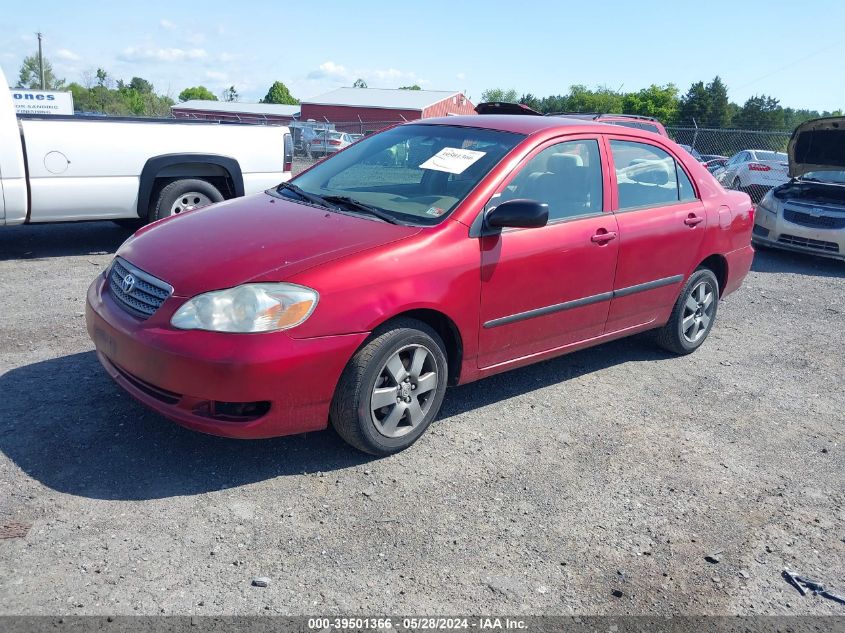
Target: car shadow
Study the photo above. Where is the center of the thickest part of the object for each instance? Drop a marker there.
(768, 260)
(36, 241)
(65, 424)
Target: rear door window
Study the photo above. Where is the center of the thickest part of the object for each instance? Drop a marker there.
(647, 176)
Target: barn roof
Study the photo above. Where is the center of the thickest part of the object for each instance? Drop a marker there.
(390, 98)
(236, 107)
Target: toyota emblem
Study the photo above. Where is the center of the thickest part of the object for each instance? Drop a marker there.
(128, 284)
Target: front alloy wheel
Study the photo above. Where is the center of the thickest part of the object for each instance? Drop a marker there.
(392, 388)
(403, 391)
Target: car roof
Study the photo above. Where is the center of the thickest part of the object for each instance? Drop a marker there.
(521, 124)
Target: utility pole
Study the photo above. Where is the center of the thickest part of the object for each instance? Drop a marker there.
(40, 61)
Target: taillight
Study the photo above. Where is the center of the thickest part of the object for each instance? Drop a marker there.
(334, 142)
(758, 167)
(288, 148)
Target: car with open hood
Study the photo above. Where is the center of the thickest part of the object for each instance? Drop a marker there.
(434, 253)
(807, 214)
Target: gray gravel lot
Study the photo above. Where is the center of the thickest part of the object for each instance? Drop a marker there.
(544, 490)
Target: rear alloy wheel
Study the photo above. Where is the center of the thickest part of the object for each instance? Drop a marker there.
(392, 388)
(693, 315)
(184, 195)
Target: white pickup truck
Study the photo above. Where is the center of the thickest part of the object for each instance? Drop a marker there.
(69, 168)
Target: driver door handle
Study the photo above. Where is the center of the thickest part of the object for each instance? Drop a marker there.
(692, 220)
(602, 236)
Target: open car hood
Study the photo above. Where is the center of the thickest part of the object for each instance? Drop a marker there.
(817, 145)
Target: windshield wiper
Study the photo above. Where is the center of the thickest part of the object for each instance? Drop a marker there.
(310, 197)
(360, 206)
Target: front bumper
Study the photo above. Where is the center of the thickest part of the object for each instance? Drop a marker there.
(192, 376)
(776, 232)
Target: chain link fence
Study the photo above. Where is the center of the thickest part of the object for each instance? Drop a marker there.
(725, 143)
(713, 145)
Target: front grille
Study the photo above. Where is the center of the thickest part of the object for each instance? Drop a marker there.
(814, 221)
(819, 245)
(137, 292)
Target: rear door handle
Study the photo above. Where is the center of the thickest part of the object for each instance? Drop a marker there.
(692, 220)
(603, 236)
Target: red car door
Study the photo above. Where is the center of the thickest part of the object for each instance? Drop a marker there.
(661, 226)
(543, 288)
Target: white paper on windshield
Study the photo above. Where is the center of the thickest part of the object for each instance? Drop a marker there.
(452, 160)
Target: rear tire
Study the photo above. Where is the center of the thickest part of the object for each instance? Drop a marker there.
(391, 389)
(184, 195)
(693, 315)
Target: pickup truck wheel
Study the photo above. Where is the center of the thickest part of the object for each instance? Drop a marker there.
(693, 315)
(184, 195)
(391, 389)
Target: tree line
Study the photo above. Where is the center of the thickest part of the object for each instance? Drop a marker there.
(703, 105)
(98, 92)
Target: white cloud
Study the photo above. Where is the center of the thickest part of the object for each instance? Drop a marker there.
(216, 76)
(385, 77)
(226, 57)
(167, 24)
(330, 70)
(138, 54)
(460, 76)
(67, 55)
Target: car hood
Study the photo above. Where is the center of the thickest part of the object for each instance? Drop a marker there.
(257, 238)
(817, 145)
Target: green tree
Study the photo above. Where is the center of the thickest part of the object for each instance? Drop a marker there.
(531, 101)
(499, 94)
(230, 94)
(141, 85)
(695, 105)
(199, 93)
(602, 99)
(279, 93)
(30, 75)
(660, 102)
(719, 114)
(760, 113)
(414, 87)
(359, 83)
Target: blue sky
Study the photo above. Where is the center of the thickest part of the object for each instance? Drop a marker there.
(784, 49)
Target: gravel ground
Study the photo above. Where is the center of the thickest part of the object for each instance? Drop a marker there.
(592, 484)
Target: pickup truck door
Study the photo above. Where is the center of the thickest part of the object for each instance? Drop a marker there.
(544, 288)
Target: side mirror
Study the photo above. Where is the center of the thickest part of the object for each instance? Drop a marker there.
(519, 213)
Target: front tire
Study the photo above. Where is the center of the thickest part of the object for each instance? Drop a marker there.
(184, 195)
(392, 388)
(693, 315)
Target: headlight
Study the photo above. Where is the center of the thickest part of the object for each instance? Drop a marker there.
(248, 308)
(768, 203)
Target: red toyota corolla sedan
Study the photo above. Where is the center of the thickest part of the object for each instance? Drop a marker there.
(434, 253)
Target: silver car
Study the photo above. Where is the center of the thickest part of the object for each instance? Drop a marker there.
(807, 213)
(329, 142)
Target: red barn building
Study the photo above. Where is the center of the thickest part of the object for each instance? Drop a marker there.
(378, 105)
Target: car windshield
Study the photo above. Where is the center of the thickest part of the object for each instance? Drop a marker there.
(771, 156)
(415, 173)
